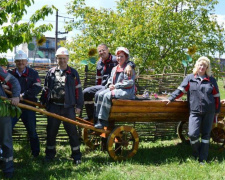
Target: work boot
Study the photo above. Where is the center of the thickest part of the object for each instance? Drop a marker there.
(101, 124)
(77, 158)
(195, 150)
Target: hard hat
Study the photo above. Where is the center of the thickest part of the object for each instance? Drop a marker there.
(20, 55)
(122, 49)
(62, 51)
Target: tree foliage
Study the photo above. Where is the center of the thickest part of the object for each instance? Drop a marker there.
(158, 33)
(12, 32)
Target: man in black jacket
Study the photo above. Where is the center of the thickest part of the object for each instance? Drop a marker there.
(103, 71)
(62, 95)
(30, 87)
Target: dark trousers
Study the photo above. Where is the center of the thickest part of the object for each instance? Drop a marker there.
(89, 94)
(6, 144)
(29, 120)
(200, 124)
(53, 127)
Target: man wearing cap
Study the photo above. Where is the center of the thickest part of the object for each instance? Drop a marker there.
(119, 86)
(30, 87)
(104, 67)
(5, 124)
(62, 94)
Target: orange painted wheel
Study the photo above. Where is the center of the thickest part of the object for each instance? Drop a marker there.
(122, 143)
(182, 131)
(218, 133)
(91, 138)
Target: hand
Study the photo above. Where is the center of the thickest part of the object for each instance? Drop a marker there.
(15, 101)
(111, 87)
(166, 100)
(5, 86)
(77, 110)
(21, 97)
(128, 70)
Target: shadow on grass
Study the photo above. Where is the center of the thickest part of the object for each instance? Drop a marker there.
(179, 152)
(62, 168)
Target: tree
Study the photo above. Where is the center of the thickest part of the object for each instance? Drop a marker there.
(158, 33)
(12, 32)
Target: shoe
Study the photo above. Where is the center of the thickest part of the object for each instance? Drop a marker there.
(8, 175)
(35, 155)
(77, 162)
(86, 118)
(101, 124)
(48, 159)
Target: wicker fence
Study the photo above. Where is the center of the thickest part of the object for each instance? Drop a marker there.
(159, 83)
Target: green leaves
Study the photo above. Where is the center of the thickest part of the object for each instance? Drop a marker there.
(3, 61)
(157, 33)
(7, 109)
(17, 33)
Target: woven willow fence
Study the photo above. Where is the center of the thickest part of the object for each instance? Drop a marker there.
(159, 83)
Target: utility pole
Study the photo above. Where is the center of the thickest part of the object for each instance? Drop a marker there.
(56, 31)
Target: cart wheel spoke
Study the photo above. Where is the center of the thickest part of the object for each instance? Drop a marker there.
(122, 143)
(182, 131)
(91, 138)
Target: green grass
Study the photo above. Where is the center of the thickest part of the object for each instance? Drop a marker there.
(221, 88)
(154, 160)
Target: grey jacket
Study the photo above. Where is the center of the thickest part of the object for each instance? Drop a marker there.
(203, 95)
(124, 85)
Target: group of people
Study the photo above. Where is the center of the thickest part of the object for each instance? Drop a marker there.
(115, 78)
(62, 94)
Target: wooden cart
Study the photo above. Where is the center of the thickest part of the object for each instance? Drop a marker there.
(122, 141)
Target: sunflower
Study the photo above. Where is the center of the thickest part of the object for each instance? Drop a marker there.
(92, 52)
(192, 50)
(41, 41)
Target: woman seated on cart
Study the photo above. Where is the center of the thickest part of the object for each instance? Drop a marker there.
(119, 86)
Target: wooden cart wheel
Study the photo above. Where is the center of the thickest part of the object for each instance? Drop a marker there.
(91, 138)
(182, 131)
(218, 133)
(122, 143)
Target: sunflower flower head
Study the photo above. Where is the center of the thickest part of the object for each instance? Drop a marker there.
(92, 52)
(41, 41)
(192, 50)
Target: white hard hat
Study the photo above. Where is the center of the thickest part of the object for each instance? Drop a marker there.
(62, 51)
(122, 49)
(20, 55)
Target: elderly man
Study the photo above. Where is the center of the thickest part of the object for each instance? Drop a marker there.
(104, 67)
(5, 124)
(62, 94)
(30, 87)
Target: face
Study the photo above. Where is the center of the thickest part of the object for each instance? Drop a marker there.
(202, 67)
(103, 52)
(121, 58)
(21, 64)
(62, 61)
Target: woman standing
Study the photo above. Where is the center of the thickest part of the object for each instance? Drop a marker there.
(204, 104)
(119, 86)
